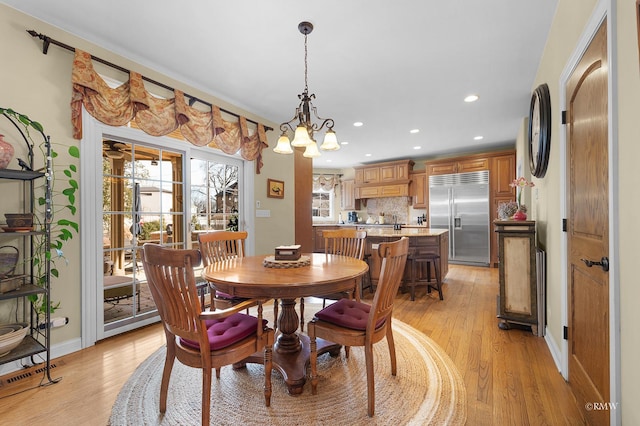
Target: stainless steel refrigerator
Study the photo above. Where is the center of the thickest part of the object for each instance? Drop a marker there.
(459, 202)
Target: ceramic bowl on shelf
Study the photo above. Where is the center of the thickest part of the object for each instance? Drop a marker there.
(19, 220)
(11, 335)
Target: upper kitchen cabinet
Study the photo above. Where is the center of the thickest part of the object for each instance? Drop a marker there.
(458, 165)
(348, 199)
(502, 174)
(383, 173)
(418, 190)
(389, 179)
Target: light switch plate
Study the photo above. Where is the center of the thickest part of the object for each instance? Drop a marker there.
(263, 213)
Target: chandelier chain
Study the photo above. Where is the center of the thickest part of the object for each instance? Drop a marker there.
(306, 87)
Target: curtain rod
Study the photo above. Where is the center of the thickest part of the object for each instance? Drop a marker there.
(46, 41)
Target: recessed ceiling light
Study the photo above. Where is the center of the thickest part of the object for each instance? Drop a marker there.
(417, 147)
(478, 138)
(358, 124)
(344, 143)
(367, 155)
(414, 131)
(328, 161)
(471, 98)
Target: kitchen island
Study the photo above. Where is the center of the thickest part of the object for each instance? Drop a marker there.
(421, 240)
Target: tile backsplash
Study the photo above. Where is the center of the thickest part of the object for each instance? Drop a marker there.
(390, 206)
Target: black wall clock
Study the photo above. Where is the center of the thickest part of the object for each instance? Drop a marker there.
(539, 135)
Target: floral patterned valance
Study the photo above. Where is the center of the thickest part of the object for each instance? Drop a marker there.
(156, 116)
(325, 182)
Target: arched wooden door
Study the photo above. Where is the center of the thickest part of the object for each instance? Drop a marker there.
(588, 230)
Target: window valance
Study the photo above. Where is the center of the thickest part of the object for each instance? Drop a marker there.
(325, 182)
(155, 116)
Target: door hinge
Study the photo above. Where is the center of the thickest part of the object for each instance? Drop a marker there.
(565, 332)
(564, 225)
(563, 117)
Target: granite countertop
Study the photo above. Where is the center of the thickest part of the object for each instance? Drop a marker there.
(405, 232)
(369, 225)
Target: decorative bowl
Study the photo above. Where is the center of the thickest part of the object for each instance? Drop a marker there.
(19, 220)
(9, 340)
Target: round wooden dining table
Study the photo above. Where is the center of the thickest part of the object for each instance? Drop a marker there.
(325, 274)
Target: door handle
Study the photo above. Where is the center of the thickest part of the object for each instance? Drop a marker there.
(604, 263)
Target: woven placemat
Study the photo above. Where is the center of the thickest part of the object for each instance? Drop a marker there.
(271, 262)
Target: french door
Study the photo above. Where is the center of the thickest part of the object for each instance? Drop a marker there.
(140, 189)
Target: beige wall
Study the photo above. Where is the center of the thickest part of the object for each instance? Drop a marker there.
(571, 17)
(570, 20)
(40, 86)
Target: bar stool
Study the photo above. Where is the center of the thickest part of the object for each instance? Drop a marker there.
(369, 285)
(427, 259)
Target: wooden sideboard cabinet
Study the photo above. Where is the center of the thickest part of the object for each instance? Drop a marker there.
(518, 299)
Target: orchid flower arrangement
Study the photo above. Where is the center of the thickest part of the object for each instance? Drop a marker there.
(520, 184)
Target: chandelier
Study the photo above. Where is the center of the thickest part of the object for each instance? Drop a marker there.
(306, 128)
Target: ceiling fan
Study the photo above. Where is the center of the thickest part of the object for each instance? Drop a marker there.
(118, 150)
(114, 150)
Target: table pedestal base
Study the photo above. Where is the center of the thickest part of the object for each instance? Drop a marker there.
(293, 365)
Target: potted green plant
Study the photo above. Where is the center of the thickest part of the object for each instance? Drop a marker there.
(63, 187)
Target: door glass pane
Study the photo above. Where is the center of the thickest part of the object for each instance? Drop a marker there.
(142, 203)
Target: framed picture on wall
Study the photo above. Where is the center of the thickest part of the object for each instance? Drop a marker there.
(275, 188)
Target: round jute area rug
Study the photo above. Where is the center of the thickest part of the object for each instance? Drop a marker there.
(427, 390)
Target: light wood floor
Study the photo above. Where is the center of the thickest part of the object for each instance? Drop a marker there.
(510, 376)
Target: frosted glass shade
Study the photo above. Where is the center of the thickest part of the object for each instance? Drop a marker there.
(301, 138)
(283, 146)
(330, 142)
(311, 151)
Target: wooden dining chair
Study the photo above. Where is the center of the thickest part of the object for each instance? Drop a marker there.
(197, 338)
(345, 242)
(218, 246)
(352, 323)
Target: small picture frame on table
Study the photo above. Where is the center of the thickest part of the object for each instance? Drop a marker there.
(275, 188)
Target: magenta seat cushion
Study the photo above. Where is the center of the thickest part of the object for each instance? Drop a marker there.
(227, 331)
(347, 313)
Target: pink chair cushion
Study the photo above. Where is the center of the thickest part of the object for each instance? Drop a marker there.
(347, 313)
(227, 331)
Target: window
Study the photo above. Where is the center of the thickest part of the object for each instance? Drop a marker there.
(214, 196)
(322, 204)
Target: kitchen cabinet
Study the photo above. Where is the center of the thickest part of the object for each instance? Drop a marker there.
(348, 200)
(518, 298)
(503, 172)
(318, 239)
(421, 240)
(382, 173)
(503, 168)
(418, 190)
(400, 190)
(457, 165)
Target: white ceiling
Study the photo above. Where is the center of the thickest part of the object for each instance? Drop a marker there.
(395, 66)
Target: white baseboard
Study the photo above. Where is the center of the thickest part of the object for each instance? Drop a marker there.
(57, 351)
(556, 354)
